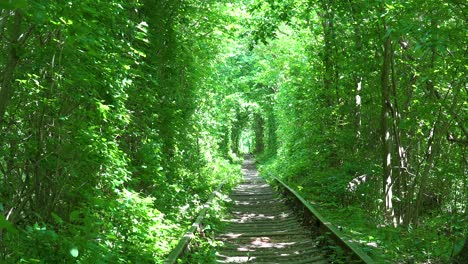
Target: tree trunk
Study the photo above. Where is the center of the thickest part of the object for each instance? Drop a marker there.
(6, 88)
(272, 142)
(387, 137)
(259, 131)
(329, 82)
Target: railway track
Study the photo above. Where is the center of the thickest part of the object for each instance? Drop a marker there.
(263, 229)
(273, 226)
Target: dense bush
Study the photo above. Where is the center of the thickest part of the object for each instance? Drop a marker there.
(108, 142)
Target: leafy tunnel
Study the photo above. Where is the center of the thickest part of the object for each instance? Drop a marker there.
(119, 118)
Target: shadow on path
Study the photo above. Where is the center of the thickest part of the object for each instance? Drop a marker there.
(262, 229)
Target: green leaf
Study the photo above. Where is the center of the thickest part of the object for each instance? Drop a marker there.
(74, 252)
(5, 224)
(13, 4)
(57, 218)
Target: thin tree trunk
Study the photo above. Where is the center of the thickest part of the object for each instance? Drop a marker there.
(272, 144)
(259, 131)
(358, 83)
(328, 64)
(387, 138)
(6, 88)
(432, 149)
(400, 179)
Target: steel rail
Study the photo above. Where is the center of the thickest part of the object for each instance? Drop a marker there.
(183, 245)
(324, 227)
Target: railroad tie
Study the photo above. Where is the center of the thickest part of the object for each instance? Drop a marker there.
(262, 229)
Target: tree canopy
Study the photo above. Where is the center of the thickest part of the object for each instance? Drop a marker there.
(119, 118)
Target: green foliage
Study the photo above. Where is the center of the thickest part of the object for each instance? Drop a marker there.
(119, 118)
(108, 143)
(203, 248)
(324, 64)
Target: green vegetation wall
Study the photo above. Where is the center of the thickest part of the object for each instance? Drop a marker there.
(369, 102)
(107, 143)
(118, 118)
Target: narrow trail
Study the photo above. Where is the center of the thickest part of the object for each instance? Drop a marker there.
(262, 229)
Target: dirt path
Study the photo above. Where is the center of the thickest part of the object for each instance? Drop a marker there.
(262, 229)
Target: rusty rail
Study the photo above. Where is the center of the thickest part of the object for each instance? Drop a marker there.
(323, 226)
(183, 246)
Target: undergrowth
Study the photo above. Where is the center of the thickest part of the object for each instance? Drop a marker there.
(203, 247)
(435, 240)
(129, 228)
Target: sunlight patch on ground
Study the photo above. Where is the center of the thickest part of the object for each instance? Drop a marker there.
(232, 235)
